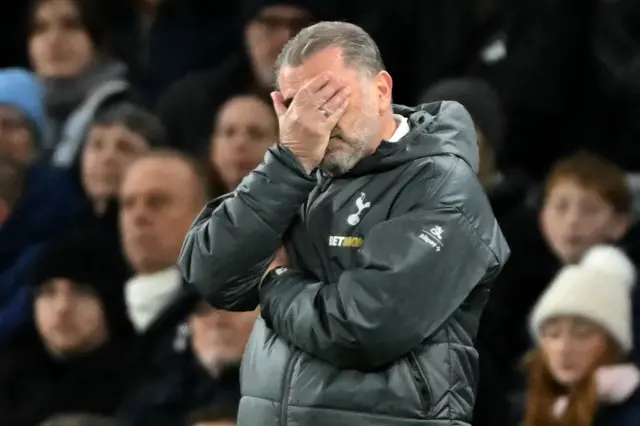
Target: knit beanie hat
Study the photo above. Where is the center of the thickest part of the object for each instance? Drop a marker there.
(597, 289)
(22, 90)
(85, 259)
(479, 99)
(318, 9)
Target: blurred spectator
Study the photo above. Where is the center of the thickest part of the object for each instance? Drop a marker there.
(187, 107)
(536, 56)
(583, 328)
(116, 138)
(12, 36)
(36, 205)
(245, 126)
(506, 190)
(164, 40)
(215, 416)
(23, 119)
(68, 50)
(587, 201)
(162, 193)
(615, 84)
(79, 420)
(77, 358)
(208, 375)
(404, 32)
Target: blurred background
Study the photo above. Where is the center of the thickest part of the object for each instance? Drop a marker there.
(119, 119)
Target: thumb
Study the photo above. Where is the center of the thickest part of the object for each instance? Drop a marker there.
(278, 103)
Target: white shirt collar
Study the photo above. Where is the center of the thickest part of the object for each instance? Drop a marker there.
(402, 130)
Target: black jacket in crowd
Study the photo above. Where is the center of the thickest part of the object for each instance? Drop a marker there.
(373, 322)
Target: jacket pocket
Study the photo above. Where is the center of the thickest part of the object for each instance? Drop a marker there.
(420, 381)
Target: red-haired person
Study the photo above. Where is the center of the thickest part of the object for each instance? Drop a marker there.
(583, 330)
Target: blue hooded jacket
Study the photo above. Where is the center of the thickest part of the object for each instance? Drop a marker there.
(21, 89)
(50, 205)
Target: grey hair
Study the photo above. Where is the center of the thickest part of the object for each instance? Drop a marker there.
(358, 48)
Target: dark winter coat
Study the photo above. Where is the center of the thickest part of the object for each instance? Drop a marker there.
(373, 321)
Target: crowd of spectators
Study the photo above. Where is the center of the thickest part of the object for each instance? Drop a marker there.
(120, 119)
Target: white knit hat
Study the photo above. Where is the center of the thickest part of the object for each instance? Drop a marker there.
(597, 289)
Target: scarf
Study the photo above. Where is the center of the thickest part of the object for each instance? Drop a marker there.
(63, 95)
(148, 295)
(615, 384)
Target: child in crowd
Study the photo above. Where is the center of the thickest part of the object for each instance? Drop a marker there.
(117, 136)
(583, 330)
(586, 202)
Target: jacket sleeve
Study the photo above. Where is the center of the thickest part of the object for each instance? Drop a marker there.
(231, 243)
(412, 272)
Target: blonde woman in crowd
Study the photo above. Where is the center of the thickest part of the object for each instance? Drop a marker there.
(583, 328)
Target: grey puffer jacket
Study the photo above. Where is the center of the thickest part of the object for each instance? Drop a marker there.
(373, 321)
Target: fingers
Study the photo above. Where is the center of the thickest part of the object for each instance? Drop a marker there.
(278, 103)
(324, 95)
(316, 83)
(337, 114)
(318, 91)
(338, 99)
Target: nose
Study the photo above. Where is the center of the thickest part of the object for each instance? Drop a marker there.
(136, 214)
(62, 304)
(109, 155)
(54, 36)
(573, 218)
(241, 142)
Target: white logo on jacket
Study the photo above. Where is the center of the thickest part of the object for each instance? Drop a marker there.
(354, 219)
(433, 237)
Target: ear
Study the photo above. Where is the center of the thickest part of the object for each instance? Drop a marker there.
(384, 86)
(619, 227)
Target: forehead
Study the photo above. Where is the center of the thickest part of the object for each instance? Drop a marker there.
(158, 175)
(239, 107)
(568, 186)
(10, 112)
(568, 321)
(283, 11)
(65, 285)
(327, 60)
(56, 7)
(116, 131)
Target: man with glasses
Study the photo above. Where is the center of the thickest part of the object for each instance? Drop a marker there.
(188, 107)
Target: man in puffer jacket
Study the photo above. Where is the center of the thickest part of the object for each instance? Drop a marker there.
(370, 309)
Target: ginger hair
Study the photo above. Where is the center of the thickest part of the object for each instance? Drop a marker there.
(543, 391)
(596, 174)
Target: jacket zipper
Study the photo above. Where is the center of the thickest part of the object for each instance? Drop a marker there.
(287, 388)
(323, 183)
(420, 380)
(324, 180)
